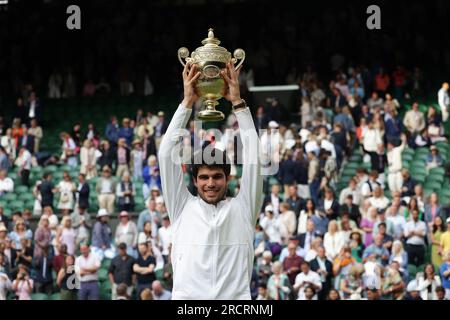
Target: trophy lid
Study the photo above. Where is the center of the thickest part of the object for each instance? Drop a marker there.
(211, 40)
(211, 51)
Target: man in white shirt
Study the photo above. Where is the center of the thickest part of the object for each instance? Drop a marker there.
(5, 286)
(350, 190)
(86, 267)
(444, 100)
(307, 278)
(368, 188)
(394, 157)
(414, 120)
(165, 237)
(415, 231)
(212, 241)
(379, 200)
(6, 183)
(23, 161)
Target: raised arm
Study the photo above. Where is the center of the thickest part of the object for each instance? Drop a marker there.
(175, 192)
(250, 192)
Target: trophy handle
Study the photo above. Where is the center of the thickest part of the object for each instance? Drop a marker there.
(183, 53)
(238, 54)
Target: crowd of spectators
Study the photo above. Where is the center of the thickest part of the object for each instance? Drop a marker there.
(311, 240)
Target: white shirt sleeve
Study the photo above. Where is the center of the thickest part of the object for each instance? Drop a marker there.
(251, 193)
(175, 192)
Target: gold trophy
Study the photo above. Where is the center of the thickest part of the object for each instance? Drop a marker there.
(210, 60)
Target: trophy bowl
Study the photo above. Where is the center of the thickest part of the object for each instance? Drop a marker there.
(210, 59)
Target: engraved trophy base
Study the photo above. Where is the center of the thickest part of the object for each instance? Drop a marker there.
(210, 113)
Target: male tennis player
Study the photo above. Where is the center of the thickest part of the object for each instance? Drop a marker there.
(212, 241)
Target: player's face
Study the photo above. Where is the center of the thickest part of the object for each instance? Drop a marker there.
(211, 184)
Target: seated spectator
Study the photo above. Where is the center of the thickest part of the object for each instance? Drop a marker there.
(330, 205)
(6, 183)
(434, 159)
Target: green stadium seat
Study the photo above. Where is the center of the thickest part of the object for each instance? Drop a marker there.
(55, 296)
(106, 263)
(16, 205)
(9, 197)
(437, 171)
(39, 296)
(21, 189)
(103, 274)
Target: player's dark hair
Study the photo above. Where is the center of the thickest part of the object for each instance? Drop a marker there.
(219, 160)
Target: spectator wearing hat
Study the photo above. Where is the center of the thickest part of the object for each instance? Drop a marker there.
(413, 291)
(122, 157)
(105, 189)
(125, 193)
(137, 158)
(127, 233)
(101, 236)
(273, 199)
(121, 271)
(87, 266)
(126, 132)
